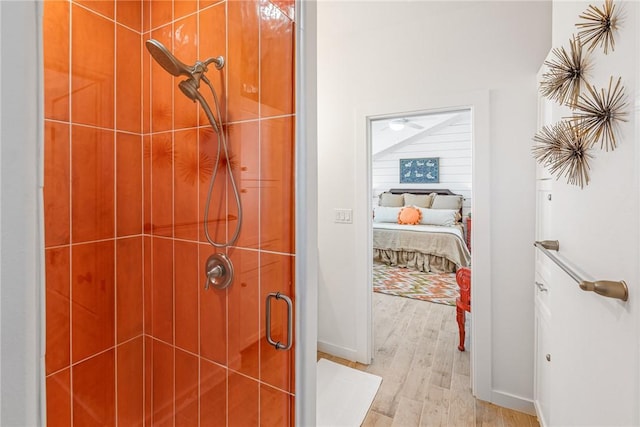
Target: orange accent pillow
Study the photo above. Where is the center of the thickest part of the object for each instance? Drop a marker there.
(409, 215)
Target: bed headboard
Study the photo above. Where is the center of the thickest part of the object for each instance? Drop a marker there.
(441, 191)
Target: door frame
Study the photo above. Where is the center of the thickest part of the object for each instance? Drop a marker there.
(22, 332)
(478, 102)
(306, 214)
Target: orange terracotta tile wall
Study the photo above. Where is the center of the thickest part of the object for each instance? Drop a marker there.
(206, 348)
(93, 212)
(132, 336)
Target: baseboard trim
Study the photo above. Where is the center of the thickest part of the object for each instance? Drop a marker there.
(511, 401)
(541, 419)
(335, 350)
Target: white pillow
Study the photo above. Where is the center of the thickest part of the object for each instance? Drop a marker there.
(385, 214)
(446, 217)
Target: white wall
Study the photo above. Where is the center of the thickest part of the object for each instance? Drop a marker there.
(373, 51)
(20, 242)
(452, 145)
(306, 207)
(613, 173)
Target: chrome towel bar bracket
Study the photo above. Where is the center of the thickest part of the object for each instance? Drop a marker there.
(606, 288)
(551, 245)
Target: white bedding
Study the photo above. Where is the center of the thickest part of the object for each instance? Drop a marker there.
(433, 248)
(419, 227)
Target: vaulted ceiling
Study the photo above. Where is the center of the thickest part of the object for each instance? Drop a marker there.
(385, 139)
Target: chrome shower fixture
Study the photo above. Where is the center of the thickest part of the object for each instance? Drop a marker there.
(176, 67)
(195, 73)
(220, 272)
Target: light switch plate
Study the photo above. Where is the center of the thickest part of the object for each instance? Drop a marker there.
(343, 216)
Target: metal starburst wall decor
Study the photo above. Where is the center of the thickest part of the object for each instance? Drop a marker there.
(548, 144)
(598, 114)
(566, 73)
(565, 151)
(599, 26)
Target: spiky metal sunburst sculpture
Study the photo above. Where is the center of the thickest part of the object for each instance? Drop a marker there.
(564, 79)
(598, 114)
(599, 26)
(572, 160)
(565, 151)
(548, 144)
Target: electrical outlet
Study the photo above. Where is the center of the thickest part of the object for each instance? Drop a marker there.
(343, 216)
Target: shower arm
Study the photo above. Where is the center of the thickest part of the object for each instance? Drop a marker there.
(200, 67)
(218, 61)
(197, 73)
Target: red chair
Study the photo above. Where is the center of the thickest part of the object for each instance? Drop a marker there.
(463, 303)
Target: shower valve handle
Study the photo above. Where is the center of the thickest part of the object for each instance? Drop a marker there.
(219, 272)
(214, 273)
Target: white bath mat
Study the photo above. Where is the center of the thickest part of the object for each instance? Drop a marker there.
(344, 395)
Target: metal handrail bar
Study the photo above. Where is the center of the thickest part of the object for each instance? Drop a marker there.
(607, 288)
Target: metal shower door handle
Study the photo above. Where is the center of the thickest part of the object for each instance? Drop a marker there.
(278, 345)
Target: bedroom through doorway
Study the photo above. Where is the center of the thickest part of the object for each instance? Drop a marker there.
(421, 181)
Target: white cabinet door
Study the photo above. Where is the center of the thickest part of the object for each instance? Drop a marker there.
(543, 364)
(594, 359)
(543, 347)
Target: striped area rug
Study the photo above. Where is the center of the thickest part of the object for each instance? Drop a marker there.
(440, 288)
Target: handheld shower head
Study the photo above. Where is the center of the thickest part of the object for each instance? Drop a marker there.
(190, 88)
(166, 60)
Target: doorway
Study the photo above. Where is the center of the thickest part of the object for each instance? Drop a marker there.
(419, 164)
(421, 180)
(478, 104)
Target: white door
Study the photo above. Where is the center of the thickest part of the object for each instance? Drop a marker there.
(594, 347)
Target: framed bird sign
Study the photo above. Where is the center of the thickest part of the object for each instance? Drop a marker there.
(420, 171)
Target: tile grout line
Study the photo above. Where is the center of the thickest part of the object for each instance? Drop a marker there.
(70, 111)
(115, 211)
(152, 346)
(151, 240)
(142, 133)
(260, 212)
(226, 106)
(158, 236)
(94, 355)
(180, 129)
(113, 20)
(198, 231)
(142, 204)
(147, 356)
(222, 135)
(144, 340)
(188, 15)
(220, 365)
(173, 214)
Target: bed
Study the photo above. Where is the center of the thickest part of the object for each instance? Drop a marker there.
(434, 245)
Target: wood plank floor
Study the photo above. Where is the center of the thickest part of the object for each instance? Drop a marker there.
(425, 379)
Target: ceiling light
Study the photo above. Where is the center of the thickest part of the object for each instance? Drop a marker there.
(397, 124)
